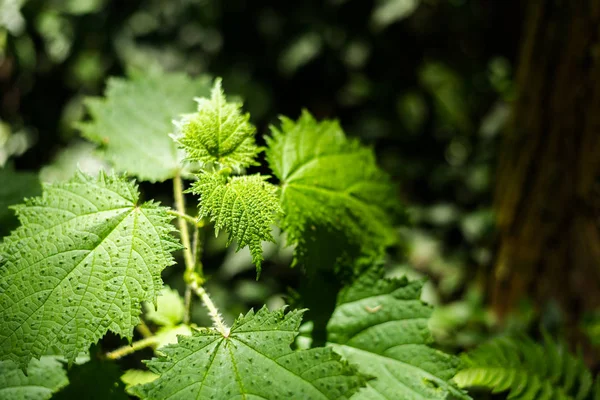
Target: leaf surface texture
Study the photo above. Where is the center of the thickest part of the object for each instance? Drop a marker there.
(254, 362)
(380, 326)
(245, 206)
(86, 255)
(330, 184)
(218, 133)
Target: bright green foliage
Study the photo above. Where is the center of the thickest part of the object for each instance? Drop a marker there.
(169, 308)
(134, 377)
(246, 206)
(85, 257)
(526, 370)
(218, 133)
(94, 380)
(168, 314)
(332, 184)
(380, 326)
(254, 361)
(44, 377)
(134, 120)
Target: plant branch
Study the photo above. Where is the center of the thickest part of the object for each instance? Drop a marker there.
(212, 309)
(186, 217)
(183, 228)
(143, 329)
(135, 346)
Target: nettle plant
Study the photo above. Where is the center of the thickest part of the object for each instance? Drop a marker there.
(88, 257)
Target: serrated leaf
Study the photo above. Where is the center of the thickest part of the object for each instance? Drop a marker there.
(218, 133)
(245, 206)
(94, 380)
(44, 377)
(526, 370)
(134, 119)
(254, 361)
(380, 326)
(85, 257)
(332, 185)
(169, 308)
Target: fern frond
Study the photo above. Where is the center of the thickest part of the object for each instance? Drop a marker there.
(246, 206)
(332, 185)
(218, 133)
(526, 370)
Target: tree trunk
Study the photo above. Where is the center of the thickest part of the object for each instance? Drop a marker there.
(547, 198)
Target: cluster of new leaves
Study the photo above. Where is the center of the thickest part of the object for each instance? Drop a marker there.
(253, 361)
(330, 184)
(221, 138)
(85, 257)
(380, 326)
(527, 370)
(218, 133)
(88, 253)
(132, 123)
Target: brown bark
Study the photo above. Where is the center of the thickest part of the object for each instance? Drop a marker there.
(547, 198)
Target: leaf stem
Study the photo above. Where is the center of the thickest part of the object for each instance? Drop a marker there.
(135, 346)
(143, 329)
(212, 309)
(183, 228)
(193, 263)
(187, 217)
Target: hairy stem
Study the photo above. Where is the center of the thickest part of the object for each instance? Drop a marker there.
(192, 254)
(183, 228)
(212, 309)
(135, 346)
(185, 238)
(186, 217)
(143, 329)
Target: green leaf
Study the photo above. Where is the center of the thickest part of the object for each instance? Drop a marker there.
(85, 257)
(246, 206)
(94, 380)
(170, 334)
(134, 120)
(330, 185)
(218, 133)
(15, 186)
(254, 361)
(380, 326)
(44, 377)
(169, 308)
(78, 156)
(134, 377)
(526, 370)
